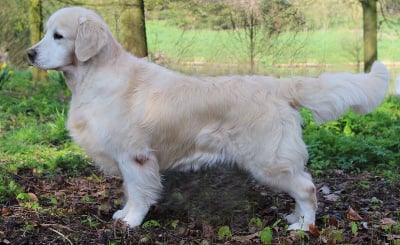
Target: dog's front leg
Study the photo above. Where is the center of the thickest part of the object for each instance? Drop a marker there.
(142, 186)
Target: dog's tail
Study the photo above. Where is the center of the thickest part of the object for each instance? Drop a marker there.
(330, 95)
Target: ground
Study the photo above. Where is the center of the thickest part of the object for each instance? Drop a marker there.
(76, 207)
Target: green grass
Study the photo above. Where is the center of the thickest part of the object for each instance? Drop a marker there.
(32, 129)
(188, 45)
(321, 46)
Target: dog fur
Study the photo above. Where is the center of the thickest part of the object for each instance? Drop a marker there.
(135, 118)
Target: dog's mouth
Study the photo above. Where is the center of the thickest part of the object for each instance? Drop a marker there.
(32, 55)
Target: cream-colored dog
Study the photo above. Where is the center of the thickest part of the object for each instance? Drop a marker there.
(136, 118)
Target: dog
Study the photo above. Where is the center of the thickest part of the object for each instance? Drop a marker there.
(135, 118)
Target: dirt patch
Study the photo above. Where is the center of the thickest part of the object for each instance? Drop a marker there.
(71, 208)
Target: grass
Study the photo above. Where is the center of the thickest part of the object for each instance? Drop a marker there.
(321, 46)
(188, 45)
(32, 129)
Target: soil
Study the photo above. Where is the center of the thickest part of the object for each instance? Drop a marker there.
(77, 208)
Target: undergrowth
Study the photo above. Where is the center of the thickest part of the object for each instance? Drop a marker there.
(32, 129)
(357, 143)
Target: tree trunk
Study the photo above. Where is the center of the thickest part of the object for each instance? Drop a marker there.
(134, 28)
(370, 33)
(36, 27)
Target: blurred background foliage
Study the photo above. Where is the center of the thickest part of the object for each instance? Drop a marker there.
(271, 18)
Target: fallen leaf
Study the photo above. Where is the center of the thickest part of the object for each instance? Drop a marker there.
(294, 235)
(338, 171)
(387, 221)
(332, 221)
(208, 231)
(5, 211)
(33, 197)
(313, 230)
(332, 197)
(325, 190)
(287, 241)
(246, 238)
(353, 215)
(392, 237)
(342, 187)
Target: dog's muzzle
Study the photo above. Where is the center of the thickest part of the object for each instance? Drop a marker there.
(32, 53)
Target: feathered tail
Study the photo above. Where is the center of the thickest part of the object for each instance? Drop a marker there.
(330, 95)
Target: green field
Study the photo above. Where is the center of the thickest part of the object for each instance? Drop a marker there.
(322, 47)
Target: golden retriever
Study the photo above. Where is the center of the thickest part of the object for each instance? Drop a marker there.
(135, 118)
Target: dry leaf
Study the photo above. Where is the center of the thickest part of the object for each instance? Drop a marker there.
(287, 241)
(392, 237)
(325, 190)
(332, 197)
(387, 221)
(5, 211)
(332, 221)
(208, 231)
(353, 215)
(339, 171)
(247, 238)
(313, 230)
(33, 197)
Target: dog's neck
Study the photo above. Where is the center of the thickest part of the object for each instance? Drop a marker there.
(77, 72)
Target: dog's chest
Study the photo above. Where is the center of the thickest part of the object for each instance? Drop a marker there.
(90, 128)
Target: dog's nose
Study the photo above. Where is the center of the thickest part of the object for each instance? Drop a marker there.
(32, 55)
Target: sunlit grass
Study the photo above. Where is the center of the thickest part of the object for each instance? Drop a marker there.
(321, 46)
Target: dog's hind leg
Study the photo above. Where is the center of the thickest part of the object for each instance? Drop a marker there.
(142, 187)
(300, 187)
(280, 165)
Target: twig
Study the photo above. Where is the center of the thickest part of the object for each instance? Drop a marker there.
(62, 235)
(246, 238)
(57, 225)
(98, 218)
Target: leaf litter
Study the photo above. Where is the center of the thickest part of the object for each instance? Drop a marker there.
(74, 208)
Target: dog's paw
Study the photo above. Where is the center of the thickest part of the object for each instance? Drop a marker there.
(131, 218)
(305, 226)
(292, 218)
(120, 214)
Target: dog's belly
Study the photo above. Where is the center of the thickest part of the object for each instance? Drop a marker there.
(213, 143)
(196, 160)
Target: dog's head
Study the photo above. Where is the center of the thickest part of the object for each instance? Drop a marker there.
(73, 35)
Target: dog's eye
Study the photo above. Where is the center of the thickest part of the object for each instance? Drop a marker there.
(57, 36)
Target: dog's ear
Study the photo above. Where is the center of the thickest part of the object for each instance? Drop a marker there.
(90, 39)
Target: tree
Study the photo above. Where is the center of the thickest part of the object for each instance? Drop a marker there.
(36, 27)
(370, 32)
(133, 28)
(259, 27)
(14, 34)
